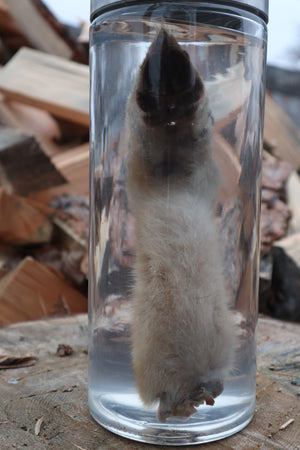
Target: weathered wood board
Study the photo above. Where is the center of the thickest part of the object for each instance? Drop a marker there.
(49, 82)
(45, 405)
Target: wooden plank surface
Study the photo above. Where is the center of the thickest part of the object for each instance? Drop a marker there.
(45, 405)
(49, 82)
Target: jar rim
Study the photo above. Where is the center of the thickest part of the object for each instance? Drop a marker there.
(258, 7)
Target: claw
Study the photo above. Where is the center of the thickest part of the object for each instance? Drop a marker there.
(166, 92)
(203, 393)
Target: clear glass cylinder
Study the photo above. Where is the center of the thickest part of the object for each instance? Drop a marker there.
(177, 99)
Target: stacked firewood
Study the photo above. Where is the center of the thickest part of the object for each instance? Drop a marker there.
(44, 176)
(44, 165)
(280, 217)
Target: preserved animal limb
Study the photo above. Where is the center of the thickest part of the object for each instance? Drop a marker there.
(183, 333)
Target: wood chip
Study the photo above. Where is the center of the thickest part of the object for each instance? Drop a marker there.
(15, 362)
(38, 425)
(286, 424)
(77, 446)
(69, 389)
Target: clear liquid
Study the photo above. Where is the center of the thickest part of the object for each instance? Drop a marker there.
(115, 403)
(230, 64)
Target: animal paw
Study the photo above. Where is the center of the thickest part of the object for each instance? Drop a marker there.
(186, 406)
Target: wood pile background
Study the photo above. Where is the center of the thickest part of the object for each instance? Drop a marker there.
(44, 176)
(44, 165)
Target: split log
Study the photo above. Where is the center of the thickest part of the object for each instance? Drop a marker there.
(281, 136)
(44, 31)
(275, 174)
(12, 37)
(68, 263)
(275, 214)
(71, 221)
(71, 134)
(274, 223)
(33, 291)
(54, 135)
(8, 26)
(84, 36)
(24, 222)
(293, 201)
(74, 166)
(49, 82)
(24, 167)
(66, 237)
(9, 259)
(33, 121)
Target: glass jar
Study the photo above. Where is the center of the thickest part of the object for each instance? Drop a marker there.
(177, 102)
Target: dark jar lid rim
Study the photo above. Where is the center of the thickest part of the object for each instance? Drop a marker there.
(258, 7)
